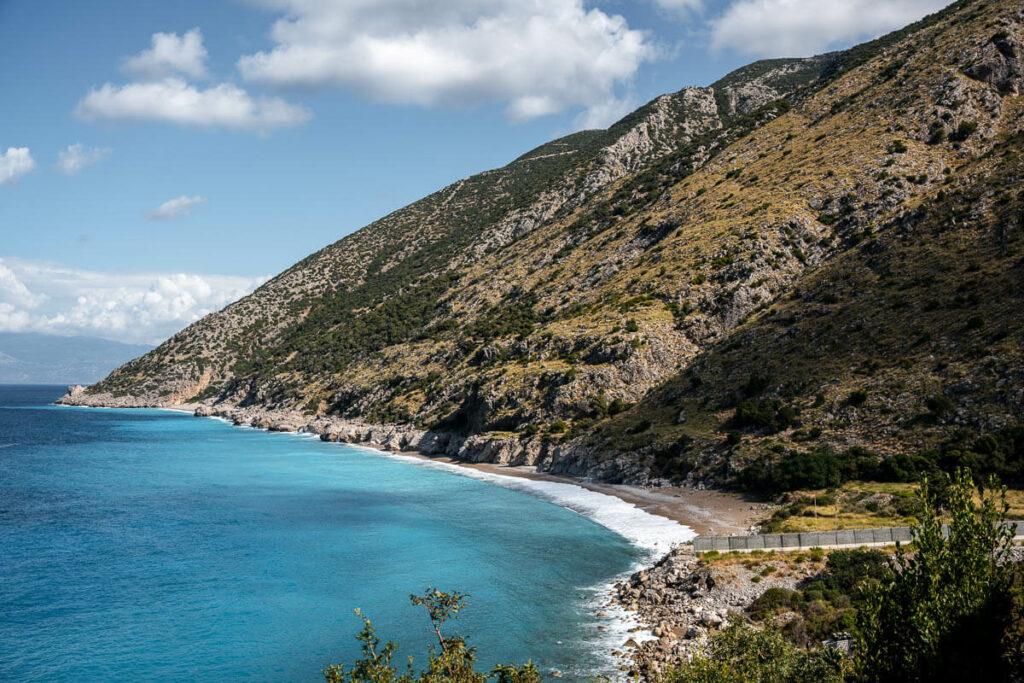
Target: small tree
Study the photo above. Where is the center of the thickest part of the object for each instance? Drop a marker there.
(376, 663)
(944, 612)
(441, 607)
(454, 663)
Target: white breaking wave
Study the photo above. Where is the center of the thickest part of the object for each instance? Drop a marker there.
(653, 533)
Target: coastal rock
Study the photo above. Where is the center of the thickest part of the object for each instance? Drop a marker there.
(682, 600)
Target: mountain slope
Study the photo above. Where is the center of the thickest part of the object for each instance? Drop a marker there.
(771, 238)
(387, 284)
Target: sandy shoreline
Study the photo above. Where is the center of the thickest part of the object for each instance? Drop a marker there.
(704, 511)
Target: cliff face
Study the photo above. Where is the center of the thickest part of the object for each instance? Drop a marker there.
(800, 232)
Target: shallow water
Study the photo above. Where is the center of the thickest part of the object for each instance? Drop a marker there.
(153, 545)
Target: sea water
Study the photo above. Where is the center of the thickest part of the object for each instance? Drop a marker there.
(151, 545)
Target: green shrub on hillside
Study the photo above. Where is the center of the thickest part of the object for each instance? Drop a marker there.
(857, 397)
(817, 469)
(964, 131)
(742, 654)
(513, 317)
(826, 604)
(824, 467)
(767, 415)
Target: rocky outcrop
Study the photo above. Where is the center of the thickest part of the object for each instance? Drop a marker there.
(1000, 61)
(79, 396)
(479, 448)
(683, 601)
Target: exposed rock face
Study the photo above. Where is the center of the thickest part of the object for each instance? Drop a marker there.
(398, 438)
(79, 396)
(998, 61)
(767, 82)
(684, 601)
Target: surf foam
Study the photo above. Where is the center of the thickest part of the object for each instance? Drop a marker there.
(653, 533)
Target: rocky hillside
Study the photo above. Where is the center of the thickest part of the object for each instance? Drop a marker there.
(811, 254)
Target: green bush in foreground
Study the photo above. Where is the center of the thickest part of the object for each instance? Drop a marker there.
(741, 654)
(826, 604)
(453, 662)
(949, 608)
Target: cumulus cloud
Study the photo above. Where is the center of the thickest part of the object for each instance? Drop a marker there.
(170, 55)
(76, 157)
(132, 307)
(14, 163)
(176, 101)
(535, 56)
(179, 207)
(162, 92)
(606, 113)
(14, 292)
(799, 28)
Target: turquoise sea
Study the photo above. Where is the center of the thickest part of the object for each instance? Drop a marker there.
(152, 545)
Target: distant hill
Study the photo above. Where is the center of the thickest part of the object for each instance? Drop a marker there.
(29, 358)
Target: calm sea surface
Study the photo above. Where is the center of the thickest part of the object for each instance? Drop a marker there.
(144, 545)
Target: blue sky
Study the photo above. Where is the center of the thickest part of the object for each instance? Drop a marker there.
(197, 164)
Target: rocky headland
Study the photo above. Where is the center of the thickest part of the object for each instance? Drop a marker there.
(683, 601)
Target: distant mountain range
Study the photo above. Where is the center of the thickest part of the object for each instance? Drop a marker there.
(29, 358)
(820, 255)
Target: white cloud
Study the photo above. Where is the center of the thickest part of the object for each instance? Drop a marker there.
(170, 54)
(14, 163)
(605, 114)
(175, 101)
(13, 291)
(535, 56)
(799, 28)
(179, 207)
(131, 307)
(162, 92)
(76, 157)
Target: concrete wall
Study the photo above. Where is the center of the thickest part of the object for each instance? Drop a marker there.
(818, 539)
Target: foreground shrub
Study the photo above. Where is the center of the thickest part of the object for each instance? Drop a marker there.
(826, 604)
(741, 654)
(452, 662)
(950, 609)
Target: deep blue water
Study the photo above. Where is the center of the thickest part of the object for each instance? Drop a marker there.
(143, 545)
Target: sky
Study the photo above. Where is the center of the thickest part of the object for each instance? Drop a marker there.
(161, 159)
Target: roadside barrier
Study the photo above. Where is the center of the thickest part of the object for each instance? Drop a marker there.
(819, 539)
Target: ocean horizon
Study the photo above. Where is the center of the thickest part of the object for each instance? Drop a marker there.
(148, 544)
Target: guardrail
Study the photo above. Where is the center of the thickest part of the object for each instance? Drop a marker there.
(819, 539)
